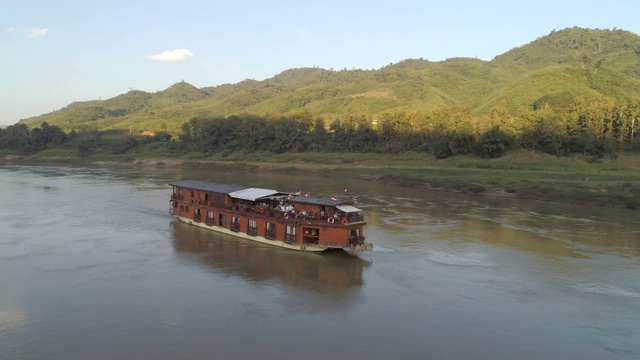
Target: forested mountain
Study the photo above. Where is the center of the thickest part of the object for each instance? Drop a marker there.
(549, 72)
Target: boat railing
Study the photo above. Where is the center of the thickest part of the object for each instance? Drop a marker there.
(270, 234)
(196, 218)
(252, 231)
(235, 226)
(356, 240)
(311, 217)
(211, 204)
(331, 243)
(177, 197)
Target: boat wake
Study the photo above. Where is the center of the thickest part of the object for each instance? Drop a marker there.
(604, 289)
(459, 259)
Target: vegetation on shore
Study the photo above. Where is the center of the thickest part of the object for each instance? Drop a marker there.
(519, 174)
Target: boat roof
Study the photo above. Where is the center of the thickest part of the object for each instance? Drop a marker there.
(207, 186)
(344, 206)
(252, 193)
(348, 208)
(311, 200)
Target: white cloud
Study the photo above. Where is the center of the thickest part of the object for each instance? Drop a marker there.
(35, 33)
(173, 56)
(8, 30)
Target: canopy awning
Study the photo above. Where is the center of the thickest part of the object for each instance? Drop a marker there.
(348, 208)
(252, 193)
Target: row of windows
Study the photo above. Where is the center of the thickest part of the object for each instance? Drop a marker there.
(215, 198)
(235, 221)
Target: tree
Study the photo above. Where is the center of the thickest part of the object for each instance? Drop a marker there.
(16, 137)
(90, 140)
(460, 142)
(317, 137)
(441, 148)
(494, 143)
(394, 133)
(360, 134)
(339, 136)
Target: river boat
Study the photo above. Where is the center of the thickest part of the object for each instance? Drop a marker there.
(287, 220)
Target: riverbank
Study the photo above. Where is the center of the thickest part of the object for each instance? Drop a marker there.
(522, 175)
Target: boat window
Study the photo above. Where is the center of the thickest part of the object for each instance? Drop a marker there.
(270, 233)
(252, 229)
(291, 230)
(210, 214)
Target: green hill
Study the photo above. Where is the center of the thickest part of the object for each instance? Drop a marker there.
(552, 69)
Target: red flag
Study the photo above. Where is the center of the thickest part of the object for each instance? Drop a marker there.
(306, 194)
(289, 196)
(299, 191)
(334, 199)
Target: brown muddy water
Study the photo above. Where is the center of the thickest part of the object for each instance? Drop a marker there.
(93, 267)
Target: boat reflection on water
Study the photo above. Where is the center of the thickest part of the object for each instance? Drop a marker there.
(258, 262)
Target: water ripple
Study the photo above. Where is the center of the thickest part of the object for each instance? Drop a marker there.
(605, 289)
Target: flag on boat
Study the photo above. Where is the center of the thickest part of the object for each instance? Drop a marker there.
(306, 194)
(346, 190)
(288, 196)
(299, 191)
(354, 198)
(334, 199)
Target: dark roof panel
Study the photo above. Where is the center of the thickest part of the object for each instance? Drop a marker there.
(313, 201)
(207, 186)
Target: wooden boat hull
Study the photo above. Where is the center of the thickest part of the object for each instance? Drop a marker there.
(257, 238)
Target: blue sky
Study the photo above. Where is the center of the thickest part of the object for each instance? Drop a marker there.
(53, 53)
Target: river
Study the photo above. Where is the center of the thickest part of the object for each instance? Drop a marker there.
(93, 267)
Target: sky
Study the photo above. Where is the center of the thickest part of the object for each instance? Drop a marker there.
(55, 52)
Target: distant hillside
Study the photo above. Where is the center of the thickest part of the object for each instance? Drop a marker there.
(552, 69)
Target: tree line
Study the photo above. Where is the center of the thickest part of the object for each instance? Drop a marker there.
(594, 127)
(21, 139)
